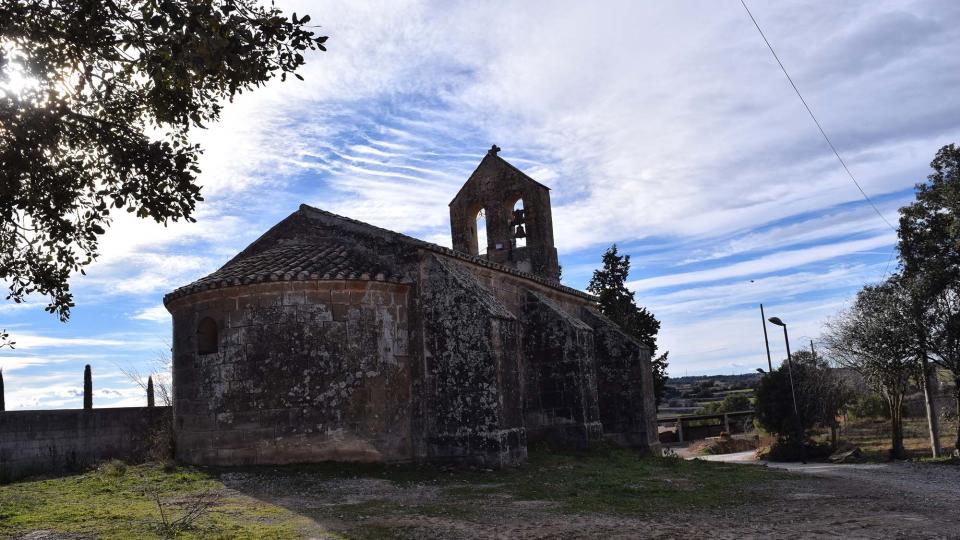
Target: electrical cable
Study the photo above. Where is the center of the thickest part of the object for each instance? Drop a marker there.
(814, 118)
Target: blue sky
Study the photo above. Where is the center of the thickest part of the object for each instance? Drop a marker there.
(665, 127)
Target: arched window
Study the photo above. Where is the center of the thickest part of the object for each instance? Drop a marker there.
(518, 225)
(207, 342)
(482, 232)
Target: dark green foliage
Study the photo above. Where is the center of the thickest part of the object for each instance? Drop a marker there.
(150, 402)
(730, 403)
(930, 226)
(658, 365)
(869, 406)
(929, 247)
(102, 124)
(774, 405)
(788, 450)
(3, 405)
(87, 388)
(617, 303)
(820, 394)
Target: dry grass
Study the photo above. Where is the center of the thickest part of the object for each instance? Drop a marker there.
(872, 435)
(724, 445)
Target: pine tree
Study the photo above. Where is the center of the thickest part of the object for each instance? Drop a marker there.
(618, 304)
(87, 388)
(150, 401)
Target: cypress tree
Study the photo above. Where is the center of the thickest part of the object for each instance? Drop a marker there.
(87, 388)
(618, 304)
(150, 402)
(2, 404)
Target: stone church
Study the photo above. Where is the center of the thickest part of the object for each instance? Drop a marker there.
(331, 339)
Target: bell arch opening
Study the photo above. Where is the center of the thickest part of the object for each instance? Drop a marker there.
(481, 228)
(518, 225)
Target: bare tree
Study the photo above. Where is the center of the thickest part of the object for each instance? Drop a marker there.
(159, 373)
(156, 382)
(871, 338)
(190, 509)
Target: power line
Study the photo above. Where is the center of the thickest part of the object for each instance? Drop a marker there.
(886, 269)
(812, 116)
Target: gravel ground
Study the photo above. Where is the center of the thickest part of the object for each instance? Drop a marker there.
(900, 500)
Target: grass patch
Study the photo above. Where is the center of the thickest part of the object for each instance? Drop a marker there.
(114, 502)
(373, 501)
(613, 480)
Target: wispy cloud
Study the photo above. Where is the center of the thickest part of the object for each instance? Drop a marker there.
(155, 314)
(663, 126)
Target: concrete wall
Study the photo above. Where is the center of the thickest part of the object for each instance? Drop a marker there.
(305, 371)
(33, 442)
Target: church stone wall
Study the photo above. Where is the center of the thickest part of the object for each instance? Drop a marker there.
(469, 384)
(627, 404)
(305, 371)
(560, 382)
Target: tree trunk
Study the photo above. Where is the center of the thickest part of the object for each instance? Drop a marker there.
(934, 429)
(956, 396)
(896, 432)
(833, 436)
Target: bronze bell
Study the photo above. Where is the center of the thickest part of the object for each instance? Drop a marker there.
(520, 232)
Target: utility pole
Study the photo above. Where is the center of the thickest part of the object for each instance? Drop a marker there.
(766, 340)
(796, 410)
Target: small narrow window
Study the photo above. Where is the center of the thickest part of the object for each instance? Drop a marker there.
(207, 341)
(518, 224)
(482, 232)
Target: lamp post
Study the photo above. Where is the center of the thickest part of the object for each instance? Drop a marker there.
(766, 341)
(793, 392)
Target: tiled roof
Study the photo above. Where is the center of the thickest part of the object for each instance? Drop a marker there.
(326, 257)
(297, 261)
(423, 244)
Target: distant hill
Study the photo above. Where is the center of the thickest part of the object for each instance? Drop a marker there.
(729, 379)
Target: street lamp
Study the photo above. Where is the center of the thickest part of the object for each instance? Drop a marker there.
(793, 392)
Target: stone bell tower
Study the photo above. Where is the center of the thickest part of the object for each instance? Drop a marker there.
(512, 211)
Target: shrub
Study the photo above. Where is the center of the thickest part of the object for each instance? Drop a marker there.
(869, 406)
(788, 450)
(730, 403)
(114, 468)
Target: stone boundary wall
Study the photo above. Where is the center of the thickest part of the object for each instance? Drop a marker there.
(49, 441)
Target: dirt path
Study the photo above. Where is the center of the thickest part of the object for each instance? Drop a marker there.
(814, 501)
(933, 483)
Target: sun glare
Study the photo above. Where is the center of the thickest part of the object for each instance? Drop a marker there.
(14, 78)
